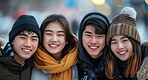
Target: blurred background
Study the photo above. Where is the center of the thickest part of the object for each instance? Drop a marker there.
(73, 10)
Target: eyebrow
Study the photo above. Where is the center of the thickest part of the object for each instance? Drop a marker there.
(113, 40)
(88, 32)
(120, 38)
(52, 31)
(123, 37)
(23, 34)
(34, 36)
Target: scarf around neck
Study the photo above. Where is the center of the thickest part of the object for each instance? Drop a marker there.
(59, 71)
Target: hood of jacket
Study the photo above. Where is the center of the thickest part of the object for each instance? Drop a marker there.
(83, 55)
(7, 59)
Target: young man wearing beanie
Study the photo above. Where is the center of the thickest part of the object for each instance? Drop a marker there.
(92, 46)
(17, 56)
(125, 53)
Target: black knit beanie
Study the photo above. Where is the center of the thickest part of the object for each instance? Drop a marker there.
(24, 22)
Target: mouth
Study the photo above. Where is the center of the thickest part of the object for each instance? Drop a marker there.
(53, 45)
(122, 53)
(93, 47)
(26, 50)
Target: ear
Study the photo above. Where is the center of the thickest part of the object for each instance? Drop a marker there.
(67, 42)
(12, 43)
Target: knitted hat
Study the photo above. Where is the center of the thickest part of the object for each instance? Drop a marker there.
(124, 24)
(24, 22)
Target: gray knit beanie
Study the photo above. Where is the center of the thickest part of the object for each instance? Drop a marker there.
(24, 22)
(124, 24)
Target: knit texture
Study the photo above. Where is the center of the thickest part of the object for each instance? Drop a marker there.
(142, 74)
(24, 22)
(123, 24)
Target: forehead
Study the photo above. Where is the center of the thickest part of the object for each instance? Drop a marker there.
(89, 28)
(118, 37)
(54, 26)
(28, 32)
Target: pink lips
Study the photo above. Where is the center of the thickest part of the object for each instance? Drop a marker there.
(93, 47)
(27, 50)
(53, 45)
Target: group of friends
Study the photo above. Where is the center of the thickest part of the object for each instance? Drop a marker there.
(104, 50)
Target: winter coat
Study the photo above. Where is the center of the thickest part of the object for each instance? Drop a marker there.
(41, 74)
(10, 69)
(87, 68)
(95, 71)
(142, 74)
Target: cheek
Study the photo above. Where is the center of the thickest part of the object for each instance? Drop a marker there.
(45, 40)
(85, 39)
(113, 48)
(35, 44)
(62, 40)
(102, 41)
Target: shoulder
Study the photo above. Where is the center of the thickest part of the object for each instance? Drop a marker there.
(142, 74)
(144, 50)
(38, 74)
(75, 72)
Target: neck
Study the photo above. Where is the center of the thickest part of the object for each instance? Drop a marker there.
(56, 56)
(19, 59)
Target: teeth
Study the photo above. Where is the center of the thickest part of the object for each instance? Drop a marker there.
(93, 47)
(121, 52)
(26, 50)
(53, 45)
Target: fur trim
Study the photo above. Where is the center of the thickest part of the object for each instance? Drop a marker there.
(142, 74)
(145, 42)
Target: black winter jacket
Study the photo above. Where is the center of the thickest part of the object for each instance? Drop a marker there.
(10, 69)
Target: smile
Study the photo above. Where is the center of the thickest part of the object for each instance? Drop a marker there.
(53, 45)
(27, 50)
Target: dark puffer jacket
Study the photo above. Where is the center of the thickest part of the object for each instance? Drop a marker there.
(88, 70)
(10, 69)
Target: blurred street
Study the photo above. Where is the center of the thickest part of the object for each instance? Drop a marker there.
(73, 10)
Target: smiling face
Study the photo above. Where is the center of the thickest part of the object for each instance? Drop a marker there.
(54, 39)
(24, 45)
(92, 42)
(122, 47)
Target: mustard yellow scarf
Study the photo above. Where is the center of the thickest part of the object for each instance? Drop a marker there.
(59, 71)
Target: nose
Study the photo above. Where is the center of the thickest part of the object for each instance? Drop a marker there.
(93, 40)
(120, 45)
(54, 38)
(28, 43)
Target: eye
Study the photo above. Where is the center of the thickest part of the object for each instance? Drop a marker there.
(48, 33)
(113, 42)
(60, 34)
(34, 40)
(125, 40)
(23, 37)
(88, 35)
(100, 36)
